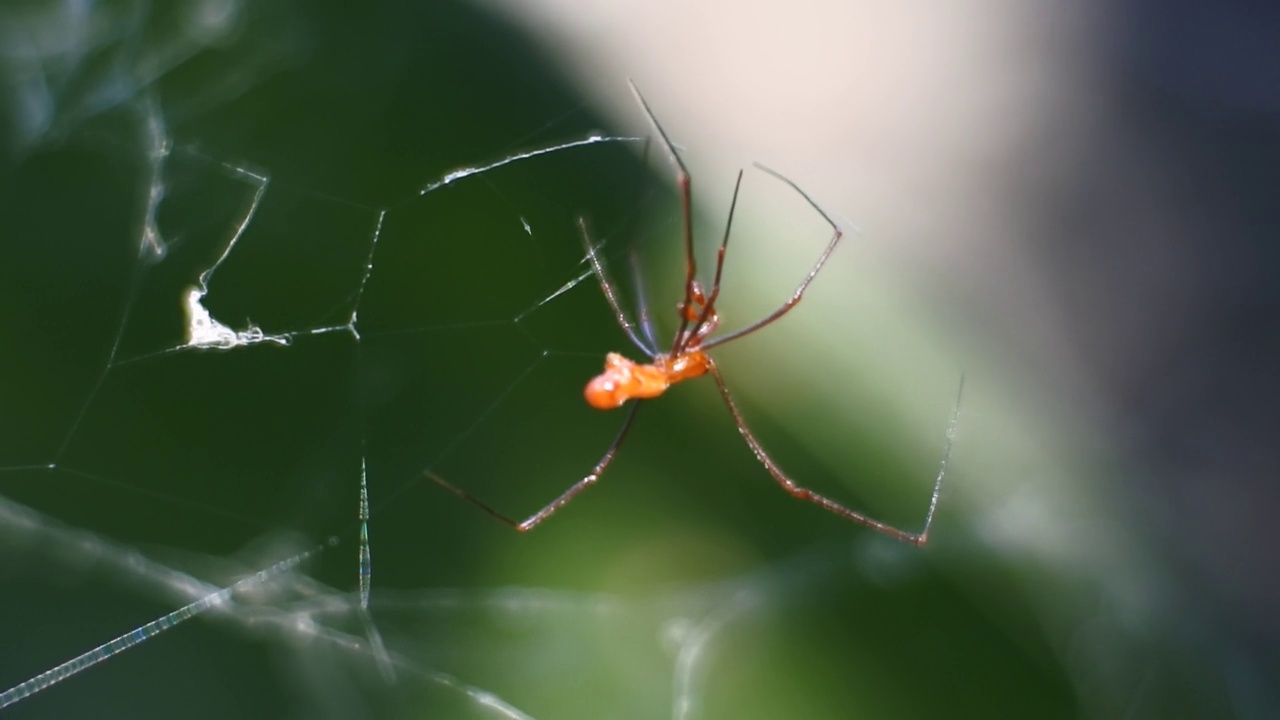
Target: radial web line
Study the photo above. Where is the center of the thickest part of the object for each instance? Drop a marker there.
(366, 557)
(110, 649)
(376, 645)
(364, 277)
(469, 171)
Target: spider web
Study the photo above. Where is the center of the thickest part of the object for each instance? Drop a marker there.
(261, 270)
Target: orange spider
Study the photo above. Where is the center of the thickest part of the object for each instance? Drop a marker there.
(624, 379)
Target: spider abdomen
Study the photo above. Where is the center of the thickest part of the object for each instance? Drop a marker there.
(624, 379)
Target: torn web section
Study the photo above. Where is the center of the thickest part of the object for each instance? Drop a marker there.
(227, 433)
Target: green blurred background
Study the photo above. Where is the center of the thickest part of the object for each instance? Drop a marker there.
(686, 584)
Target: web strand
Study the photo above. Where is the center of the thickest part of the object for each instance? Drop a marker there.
(137, 636)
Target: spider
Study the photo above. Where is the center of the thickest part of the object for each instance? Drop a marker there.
(625, 380)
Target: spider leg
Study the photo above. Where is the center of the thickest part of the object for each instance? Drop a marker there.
(535, 519)
(796, 296)
(708, 320)
(796, 491)
(683, 183)
(610, 291)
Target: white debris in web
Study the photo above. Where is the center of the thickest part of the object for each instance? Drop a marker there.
(203, 331)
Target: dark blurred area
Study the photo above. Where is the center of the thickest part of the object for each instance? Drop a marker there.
(1171, 260)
